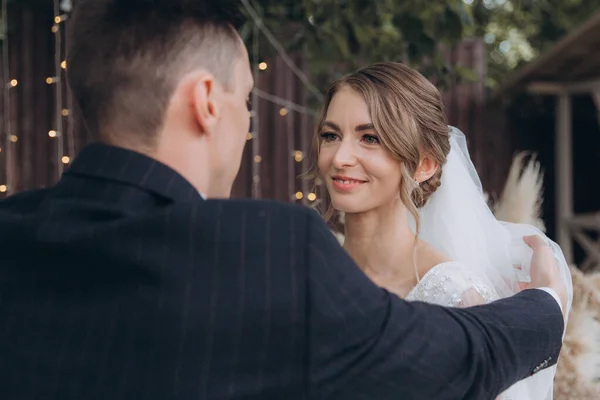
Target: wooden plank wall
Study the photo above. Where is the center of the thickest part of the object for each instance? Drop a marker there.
(280, 137)
(34, 158)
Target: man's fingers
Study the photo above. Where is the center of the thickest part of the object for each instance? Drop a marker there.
(534, 241)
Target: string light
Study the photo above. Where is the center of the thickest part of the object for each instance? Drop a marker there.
(298, 156)
(259, 25)
(283, 102)
(256, 189)
(286, 106)
(58, 106)
(62, 17)
(66, 160)
(50, 80)
(8, 85)
(299, 196)
(13, 138)
(67, 7)
(291, 167)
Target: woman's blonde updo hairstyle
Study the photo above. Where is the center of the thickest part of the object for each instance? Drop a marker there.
(409, 118)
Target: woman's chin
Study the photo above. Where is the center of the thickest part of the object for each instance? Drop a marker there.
(348, 207)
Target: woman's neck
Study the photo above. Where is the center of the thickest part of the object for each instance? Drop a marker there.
(381, 242)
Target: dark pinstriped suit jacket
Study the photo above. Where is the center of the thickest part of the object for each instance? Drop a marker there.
(120, 282)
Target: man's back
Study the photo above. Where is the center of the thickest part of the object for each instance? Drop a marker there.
(109, 286)
(122, 283)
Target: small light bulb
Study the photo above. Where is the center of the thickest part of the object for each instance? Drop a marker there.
(299, 195)
(65, 112)
(14, 82)
(298, 156)
(14, 138)
(65, 160)
(249, 136)
(3, 188)
(54, 28)
(257, 159)
(63, 65)
(312, 196)
(283, 112)
(262, 66)
(52, 133)
(57, 19)
(49, 80)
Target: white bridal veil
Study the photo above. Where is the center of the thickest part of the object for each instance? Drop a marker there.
(458, 221)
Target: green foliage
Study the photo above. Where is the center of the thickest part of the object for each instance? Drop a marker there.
(336, 36)
(517, 31)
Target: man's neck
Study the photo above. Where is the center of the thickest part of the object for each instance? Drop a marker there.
(192, 165)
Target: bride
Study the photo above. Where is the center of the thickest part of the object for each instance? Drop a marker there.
(416, 221)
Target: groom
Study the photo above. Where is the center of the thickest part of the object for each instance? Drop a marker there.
(122, 282)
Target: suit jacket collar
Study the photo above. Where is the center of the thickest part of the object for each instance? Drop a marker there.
(118, 164)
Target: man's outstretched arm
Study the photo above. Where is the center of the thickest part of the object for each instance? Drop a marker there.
(368, 343)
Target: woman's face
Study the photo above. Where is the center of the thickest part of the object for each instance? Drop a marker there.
(359, 173)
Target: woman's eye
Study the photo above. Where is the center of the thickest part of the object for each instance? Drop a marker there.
(328, 136)
(371, 139)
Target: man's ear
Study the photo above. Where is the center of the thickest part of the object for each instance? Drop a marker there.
(205, 102)
(427, 167)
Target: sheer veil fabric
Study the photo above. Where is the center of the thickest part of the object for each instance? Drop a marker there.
(458, 221)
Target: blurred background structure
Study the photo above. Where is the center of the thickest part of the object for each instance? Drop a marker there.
(516, 75)
(519, 77)
(565, 83)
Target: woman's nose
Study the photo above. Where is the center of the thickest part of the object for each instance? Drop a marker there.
(345, 155)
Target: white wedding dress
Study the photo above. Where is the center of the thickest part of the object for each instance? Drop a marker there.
(490, 258)
(451, 284)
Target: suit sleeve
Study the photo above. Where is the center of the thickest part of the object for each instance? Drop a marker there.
(365, 342)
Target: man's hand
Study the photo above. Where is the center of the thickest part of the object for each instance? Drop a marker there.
(544, 269)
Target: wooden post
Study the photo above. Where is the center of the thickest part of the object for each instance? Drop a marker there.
(564, 174)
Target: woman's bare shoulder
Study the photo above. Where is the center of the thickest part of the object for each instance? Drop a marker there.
(429, 257)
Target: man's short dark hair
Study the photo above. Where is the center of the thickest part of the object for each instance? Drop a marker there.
(126, 57)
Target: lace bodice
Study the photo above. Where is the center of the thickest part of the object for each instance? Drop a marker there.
(452, 284)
